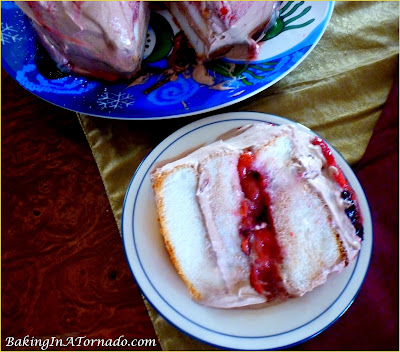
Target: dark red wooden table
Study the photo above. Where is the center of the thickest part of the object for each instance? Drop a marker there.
(64, 272)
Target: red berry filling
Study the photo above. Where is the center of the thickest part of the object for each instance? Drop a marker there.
(330, 160)
(348, 194)
(257, 231)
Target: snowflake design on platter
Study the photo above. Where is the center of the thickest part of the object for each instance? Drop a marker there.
(9, 34)
(119, 100)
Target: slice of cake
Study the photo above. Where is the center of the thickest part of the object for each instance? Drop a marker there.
(214, 27)
(102, 39)
(265, 215)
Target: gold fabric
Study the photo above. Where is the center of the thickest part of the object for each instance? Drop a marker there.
(338, 91)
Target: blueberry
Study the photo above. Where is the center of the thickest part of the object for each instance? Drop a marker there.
(351, 212)
(346, 195)
(359, 230)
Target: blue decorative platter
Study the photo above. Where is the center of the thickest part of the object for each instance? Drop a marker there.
(298, 29)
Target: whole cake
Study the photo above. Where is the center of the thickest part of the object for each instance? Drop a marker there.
(102, 39)
(264, 215)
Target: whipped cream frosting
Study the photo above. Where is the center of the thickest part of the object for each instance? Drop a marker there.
(212, 26)
(104, 39)
(313, 166)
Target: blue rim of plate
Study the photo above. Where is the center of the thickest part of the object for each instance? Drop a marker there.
(196, 126)
(183, 97)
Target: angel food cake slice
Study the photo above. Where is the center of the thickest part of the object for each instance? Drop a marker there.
(264, 215)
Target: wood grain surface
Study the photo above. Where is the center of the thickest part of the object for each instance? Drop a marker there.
(64, 271)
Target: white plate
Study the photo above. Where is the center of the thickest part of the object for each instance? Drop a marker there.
(277, 326)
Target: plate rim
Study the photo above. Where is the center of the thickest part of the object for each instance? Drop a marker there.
(161, 147)
(324, 23)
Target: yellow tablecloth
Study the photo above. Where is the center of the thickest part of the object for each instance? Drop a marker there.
(338, 91)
